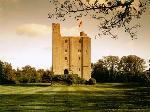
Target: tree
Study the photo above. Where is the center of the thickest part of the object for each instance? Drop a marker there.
(9, 72)
(40, 73)
(127, 69)
(149, 65)
(100, 72)
(112, 64)
(2, 73)
(132, 64)
(110, 13)
(28, 74)
(106, 69)
(132, 68)
(47, 77)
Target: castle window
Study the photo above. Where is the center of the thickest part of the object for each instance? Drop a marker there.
(79, 50)
(65, 58)
(65, 50)
(66, 71)
(79, 69)
(80, 41)
(66, 41)
(86, 51)
(79, 58)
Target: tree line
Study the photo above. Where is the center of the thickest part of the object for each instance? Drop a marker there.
(26, 74)
(129, 68)
(29, 74)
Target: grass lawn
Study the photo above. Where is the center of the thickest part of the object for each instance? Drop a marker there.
(105, 97)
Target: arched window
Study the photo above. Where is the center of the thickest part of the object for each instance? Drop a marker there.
(65, 58)
(66, 41)
(66, 71)
(79, 58)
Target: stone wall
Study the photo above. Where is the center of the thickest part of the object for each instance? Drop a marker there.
(70, 53)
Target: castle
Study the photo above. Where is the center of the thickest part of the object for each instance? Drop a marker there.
(71, 54)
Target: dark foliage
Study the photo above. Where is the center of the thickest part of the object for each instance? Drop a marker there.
(59, 78)
(109, 69)
(80, 80)
(111, 14)
(99, 72)
(2, 74)
(47, 77)
(72, 79)
(92, 81)
(127, 69)
(7, 74)
(29, 74)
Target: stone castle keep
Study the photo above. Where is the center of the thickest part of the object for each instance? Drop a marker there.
(71, 54)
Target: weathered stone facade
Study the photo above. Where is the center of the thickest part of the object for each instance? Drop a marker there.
(71, 54)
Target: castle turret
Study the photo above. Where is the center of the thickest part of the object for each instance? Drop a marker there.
(83, 34)
(56, 30)
(56, 49)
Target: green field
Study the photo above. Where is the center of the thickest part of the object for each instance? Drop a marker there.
(105, 97)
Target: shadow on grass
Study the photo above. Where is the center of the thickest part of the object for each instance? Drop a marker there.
(128, 85)
(76, 101)
(29, 85)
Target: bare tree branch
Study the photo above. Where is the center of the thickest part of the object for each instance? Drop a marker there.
(110, 13)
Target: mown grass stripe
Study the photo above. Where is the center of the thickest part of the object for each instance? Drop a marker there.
(9, 90)
(52, 90)
(73, 98)
(84, 88)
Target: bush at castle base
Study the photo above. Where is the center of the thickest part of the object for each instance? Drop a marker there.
(71, 79)
(92, 81)
(80, 80)
(59, 78)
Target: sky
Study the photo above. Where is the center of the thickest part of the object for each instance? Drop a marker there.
(25, 35)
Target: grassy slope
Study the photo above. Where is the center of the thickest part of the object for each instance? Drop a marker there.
(103, 97)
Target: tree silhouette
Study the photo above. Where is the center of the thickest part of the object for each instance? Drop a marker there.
(132, 64)
(110, 13)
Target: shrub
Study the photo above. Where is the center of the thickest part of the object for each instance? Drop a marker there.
(80, 80)
(47, 78)
(92, 81)
(59, 78)
(71, 79)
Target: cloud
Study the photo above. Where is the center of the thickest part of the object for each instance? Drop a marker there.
(33, 30)
(10, 0)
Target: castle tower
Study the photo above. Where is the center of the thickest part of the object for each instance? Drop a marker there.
(71, 54)
(56, 48)
(86, 55)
